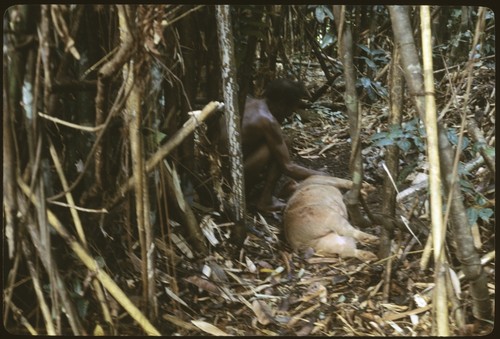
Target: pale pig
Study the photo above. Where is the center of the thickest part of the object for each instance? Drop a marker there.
(316, 217)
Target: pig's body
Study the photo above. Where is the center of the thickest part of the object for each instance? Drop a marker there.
(316, 217)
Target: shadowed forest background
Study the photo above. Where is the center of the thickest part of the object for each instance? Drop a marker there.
(124, 215)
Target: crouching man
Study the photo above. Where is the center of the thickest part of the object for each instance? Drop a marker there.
(265, 152)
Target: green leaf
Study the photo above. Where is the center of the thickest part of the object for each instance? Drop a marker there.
(480, 200)
(365, 48)
(319, 13)
(419, 143)
(485, 214)
(472, 215)
(395, 132)
(159, 136)
(378, 52)
(477, 146)
(379, 135)
(82, 305)
(465, 183)
(384, 142)
(490, 151)
(328, 12)
(328, 40)
(462, 170)
(467, 187)
(365, 82)
(404, 145)
(410, 125)
(453, 137)
(381, 91)
(370, 64)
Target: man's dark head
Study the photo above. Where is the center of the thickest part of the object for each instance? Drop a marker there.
(284, 94)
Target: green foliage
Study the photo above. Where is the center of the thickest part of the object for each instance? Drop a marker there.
(459, 35)
(77, 293)
(411, 135)
(452, 134)
(374, 89)
(328, 40)
(405, 136)
(407, 170)
(321, 12)
(453, 137)
(477, 146)
(374, 57)
(479, 212)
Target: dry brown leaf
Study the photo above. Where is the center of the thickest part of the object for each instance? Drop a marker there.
(178, 322)
(301, 315)
(316, 289)
(264, 264)
(455, 282)
(263, 312)
(208, 227)
(395, 316)
(218, 272)
(326, 148)
(269, 332)
(174, 296)
(181, 243)
(306, 151)
(208, 328)
(320, 325)
(203, 284)
(250, 265)
(305, 330)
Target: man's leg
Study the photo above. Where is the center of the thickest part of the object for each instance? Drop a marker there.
(255, 165)
(256, 162)
(259, 162)
(267, 202)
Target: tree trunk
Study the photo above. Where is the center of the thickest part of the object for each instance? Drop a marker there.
(396, 87)
(232, 116)
(352, 105)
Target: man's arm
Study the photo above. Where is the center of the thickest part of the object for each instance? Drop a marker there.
(280, 154)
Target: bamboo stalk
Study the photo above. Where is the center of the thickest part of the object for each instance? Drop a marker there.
(93, 265)
(438, 226)
(79, 228)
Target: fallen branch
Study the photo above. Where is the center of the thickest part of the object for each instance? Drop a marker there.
(70, 124)
(189, 126)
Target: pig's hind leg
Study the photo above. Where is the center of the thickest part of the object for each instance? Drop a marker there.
(332, 243)
(366, 256)
(340, 225)
(365, 238)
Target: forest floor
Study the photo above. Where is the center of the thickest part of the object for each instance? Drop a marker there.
(267, 289)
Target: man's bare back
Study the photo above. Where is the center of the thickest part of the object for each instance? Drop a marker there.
(264, 147)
